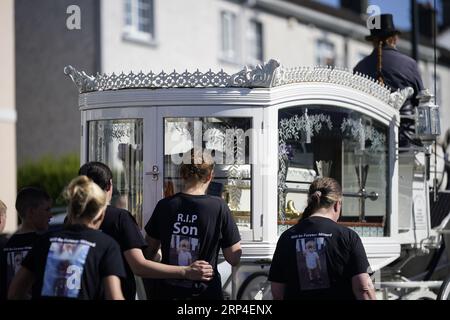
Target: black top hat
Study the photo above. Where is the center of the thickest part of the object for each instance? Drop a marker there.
(384, 29)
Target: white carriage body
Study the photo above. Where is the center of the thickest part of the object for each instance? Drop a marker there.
(148, 106)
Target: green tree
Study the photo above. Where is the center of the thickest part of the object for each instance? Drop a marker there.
(50, 173)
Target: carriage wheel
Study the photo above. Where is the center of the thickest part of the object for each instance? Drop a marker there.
(255, 287)
(444, 291)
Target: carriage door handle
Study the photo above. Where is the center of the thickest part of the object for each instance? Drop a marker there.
(154, 173)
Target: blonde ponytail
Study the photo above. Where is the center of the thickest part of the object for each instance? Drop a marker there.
(86, 199)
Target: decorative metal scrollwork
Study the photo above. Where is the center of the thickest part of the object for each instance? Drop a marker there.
(84, 82)
(362, 132)
(266, 75)
(398, 98)
(260, 76)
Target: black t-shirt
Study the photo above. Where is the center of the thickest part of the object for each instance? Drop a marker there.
(3, 241)
(317, 258)
(12, 255)
(122, 227)
(190, 228)
(72, 263)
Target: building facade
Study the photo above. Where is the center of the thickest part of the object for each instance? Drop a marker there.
(165, 35)
(48, 123)
(124, 35)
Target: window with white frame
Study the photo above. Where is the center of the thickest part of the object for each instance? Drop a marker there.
(139, 20)
(228, 34)
(326, 53)
(255, 42)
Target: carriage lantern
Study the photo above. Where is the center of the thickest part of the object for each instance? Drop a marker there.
(427, 118)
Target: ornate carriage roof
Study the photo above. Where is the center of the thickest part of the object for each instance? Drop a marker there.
(268, 75)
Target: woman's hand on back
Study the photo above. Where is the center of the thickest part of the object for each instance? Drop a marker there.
(199, 270)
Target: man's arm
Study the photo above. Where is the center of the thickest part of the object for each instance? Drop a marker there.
(152, 251)
(277, 290)
(233, 254)
(21, 284)
(363, 288)
(199, 270)
(113, 291)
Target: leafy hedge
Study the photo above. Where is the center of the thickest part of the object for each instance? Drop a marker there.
(49, 173)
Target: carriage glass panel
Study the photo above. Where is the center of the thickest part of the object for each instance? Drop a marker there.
(227, 141)
(328, 141)
(118, 144)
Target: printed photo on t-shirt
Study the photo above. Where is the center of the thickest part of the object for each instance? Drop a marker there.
(183, 250)
(64, 269)
(13, 263)
(312, 263)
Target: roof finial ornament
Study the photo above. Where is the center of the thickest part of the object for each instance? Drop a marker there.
(261, 76)
(398, 98)
(81, 79)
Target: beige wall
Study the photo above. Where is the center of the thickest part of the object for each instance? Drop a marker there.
(7, 113)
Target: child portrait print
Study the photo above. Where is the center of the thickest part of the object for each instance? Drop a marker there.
(183, 250)
(312, 263)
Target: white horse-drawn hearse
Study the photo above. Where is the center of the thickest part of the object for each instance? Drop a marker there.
(272, 130)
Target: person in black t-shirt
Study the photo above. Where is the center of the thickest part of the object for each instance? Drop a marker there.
(2, 216)
(3, 238)
(318, 258)
(122, 227)
(78, 262)
(33, 206)
(193, 225)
